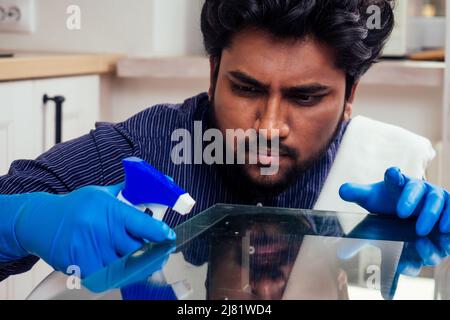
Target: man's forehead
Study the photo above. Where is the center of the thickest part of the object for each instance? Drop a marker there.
(266, 57)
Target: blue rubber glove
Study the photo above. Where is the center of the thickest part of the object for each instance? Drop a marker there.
(401, 195)
(88, 228)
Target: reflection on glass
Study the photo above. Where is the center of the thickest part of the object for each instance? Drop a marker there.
(253, 259)
(241, 252)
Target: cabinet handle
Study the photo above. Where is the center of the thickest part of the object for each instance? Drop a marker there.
(58, 100)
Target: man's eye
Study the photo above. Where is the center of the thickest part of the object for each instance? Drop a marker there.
(245, 89)
(306, 100)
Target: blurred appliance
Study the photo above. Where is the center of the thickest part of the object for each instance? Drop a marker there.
(417, 28)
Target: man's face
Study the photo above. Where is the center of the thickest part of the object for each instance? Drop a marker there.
(285, 85)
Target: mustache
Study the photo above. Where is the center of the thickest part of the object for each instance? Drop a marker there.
(269, 147)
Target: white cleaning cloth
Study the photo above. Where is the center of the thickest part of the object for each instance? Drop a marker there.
(368, 148)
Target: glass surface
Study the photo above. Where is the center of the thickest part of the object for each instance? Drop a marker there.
(244, 252)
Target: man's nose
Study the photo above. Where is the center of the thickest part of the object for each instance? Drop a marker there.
(272, 120)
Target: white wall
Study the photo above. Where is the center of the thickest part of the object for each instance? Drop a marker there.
(106, 26)
(418, 109)
(133, 95)
(136, 27)
(176, 27)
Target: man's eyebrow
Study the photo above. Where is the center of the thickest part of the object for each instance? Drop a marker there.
(313, 88)
(247, 79)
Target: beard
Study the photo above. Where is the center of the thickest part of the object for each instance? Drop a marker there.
(264, 187)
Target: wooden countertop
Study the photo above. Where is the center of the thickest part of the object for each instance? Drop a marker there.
(25, 66)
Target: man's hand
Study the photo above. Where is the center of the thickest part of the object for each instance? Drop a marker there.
(88, 228)
(401, 195)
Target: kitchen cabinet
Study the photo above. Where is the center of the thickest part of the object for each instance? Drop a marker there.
(27, 129)
(17, 117)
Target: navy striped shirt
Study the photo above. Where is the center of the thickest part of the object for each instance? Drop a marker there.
(95, 159)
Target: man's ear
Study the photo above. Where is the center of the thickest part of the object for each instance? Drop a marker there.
(214, 63)
(349, 104)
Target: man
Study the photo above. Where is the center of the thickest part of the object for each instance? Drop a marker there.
(287, 69)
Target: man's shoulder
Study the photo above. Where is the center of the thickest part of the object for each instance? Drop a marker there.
(162, 119)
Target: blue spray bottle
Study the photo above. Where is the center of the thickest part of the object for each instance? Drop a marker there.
(147, 188)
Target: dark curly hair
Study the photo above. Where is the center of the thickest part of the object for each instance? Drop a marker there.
(340, 24)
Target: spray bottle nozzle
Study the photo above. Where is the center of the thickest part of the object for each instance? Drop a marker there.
(147, 188)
